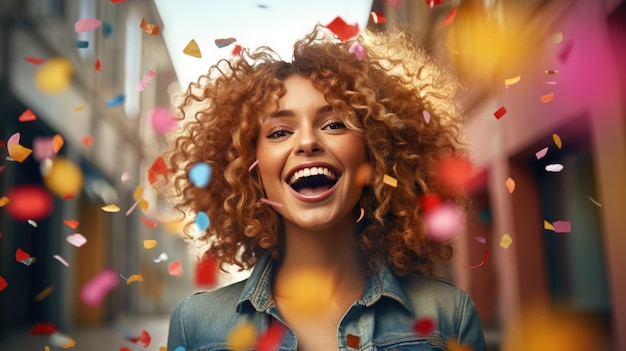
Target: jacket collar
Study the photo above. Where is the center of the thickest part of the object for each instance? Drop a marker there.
(257, 290)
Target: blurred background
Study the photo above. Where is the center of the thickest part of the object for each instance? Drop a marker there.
(88, 254)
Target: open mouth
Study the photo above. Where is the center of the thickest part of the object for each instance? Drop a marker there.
(313, 181)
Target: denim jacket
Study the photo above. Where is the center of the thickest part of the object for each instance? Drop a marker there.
(382, 319)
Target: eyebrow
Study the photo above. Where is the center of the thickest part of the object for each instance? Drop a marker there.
(289, 113)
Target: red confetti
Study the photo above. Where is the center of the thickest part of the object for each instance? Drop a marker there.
(343, 30)
(27, 116)
(237, 50)
(272, 338)
(206, 272)
(501, 111)
(34, 60)
(378, 17)
(148, 222)
(3, 283)
(67, 196)
(450, 17)
(158, 168)
(87, 140)
(145, 338)
(117, 1)
(98, 66)
(123, 348)
(175, 268)
(424, 326)
(429, 202)
(454, 172)
(482, 263)
(432, 3)
(21, 255)
(43, 329)
(29, 202)
(70, 223)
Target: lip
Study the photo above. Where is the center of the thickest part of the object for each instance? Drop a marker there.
(313, 198)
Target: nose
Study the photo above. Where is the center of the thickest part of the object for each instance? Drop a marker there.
(308, 143)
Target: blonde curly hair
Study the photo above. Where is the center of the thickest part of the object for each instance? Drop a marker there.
(382, 96)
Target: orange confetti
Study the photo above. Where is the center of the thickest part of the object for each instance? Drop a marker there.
(71, 223)
(18, 153)
(353, 341)
(143, 205)
(548, 226)
(138, 192)
(87, 140)
(44, 293)
(175, 268)
(242, 337)
(148, 222)
(134, 278)
(27, 116)
(57, 143)
(149, 244)
(547, 98)
(98, 65)
(192, 49)
(149, 28)
(510, 185)
(452, 345)
(557, 140)
(79, 107)
(450, 17)
(4, 201)
(110, 208)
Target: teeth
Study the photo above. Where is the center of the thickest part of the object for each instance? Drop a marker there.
(307, 172)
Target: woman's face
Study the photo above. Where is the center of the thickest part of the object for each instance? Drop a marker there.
(308, 160)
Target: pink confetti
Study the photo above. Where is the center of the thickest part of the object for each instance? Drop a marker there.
(426, 116)
(145, 80)
(162, 121)
(43, 148)
(443, 222)
(480, 239)
(175, 268)
(254, 164)
(271, 203)
(76, 239)
(541, 153)
(98, 287)
(562, 226)
(125, 177)
(86, 25)
(62, 260)
(357, 49)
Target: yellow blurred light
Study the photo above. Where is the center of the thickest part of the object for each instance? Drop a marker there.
(62, 176)
(54, 76)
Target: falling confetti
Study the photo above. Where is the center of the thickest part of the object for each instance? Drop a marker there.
(242, 337)
(43, 329)
(192, 49)
(34, 60)
(60, 340)
(557, 140)
(116, 100)
(145, 80)
(62, 260)
(158, 168)
(162, 257)
(44, 293)
(555, 167)
(510, 185)
(98, 287)
(57, 143)
(149, 28)
(541, 153)
(223, 42)
(552, 71)
(483, 262)
(202, 221)
(149, 223)
(254, 164)
(562, 226)
(500, 112)
(590, 199)
(86, 25)
(361, 215)
(82, 44)
(454, 172)
(353, 341)
(18, 152)
(62, 176)
(547, 225)
(557, 37)
(149, 244)
(32, 223)
(162, 121)
(145, 339)
(357, 49)
(175, 268)
(134, 278)
(389, 180)
(3, 201)
(110, 208)
(206, 271)
(27, 116)
(378, 17)
(200, 174)
(71, 223)
(426, 116)
(271, 339)
(76, 239)
(512, 81)
(3, 283)
(453, 345)
(237, 50)
(547, 97)
(450, 16)
(480, 239)
(98, 66)
(424, 326)
(343, 30)
(506, 241)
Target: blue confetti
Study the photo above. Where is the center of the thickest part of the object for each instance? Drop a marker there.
(202, 221)
(200, 174)
(107, 28)
(116, 101)
(82, 44)
(180, 348)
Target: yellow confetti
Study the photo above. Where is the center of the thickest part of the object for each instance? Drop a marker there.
(57, 143)
(54, 76)
(149, 244)
(138, 192)
(389, 180)
(44, 293)
(557, 37)
(510, 184)
(4, 201)
(557, 140)
(547, 98)
(46, 348)
(241, 337)
(547, 225)
(18, 152)
(134, 278)
(143, 205)
(79, 107)
(361, 216)
(110, 208)
(192, 49)
(506, 241)
(511, 81)
(163, 348)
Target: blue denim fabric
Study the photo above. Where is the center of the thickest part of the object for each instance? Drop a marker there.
(383, 318)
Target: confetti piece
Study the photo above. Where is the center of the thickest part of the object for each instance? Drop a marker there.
(557, 37)
(483, 262)
(34, 60)
(98, 287)
(145, 80)
(27, 116)
(132, 208)
(21, 255)
(62, 176)
(107, 28)
(512, 81)
(541, 153)
(506, 241)
(480, 239)
(43, 149)
(98, 66)
(242, 337)
(200, 174)
(44, 293)
(192, 49)
(547, 97)
(254, 164)
(149, 223)
(3, 201)
(271, 203)
(54, 76)
(149, 244)
(76, 239)
(271, 339)
(62, 260)
(562, 226)
(18, 152)
(557, 140)
(162, 257)
(500, 112)
(202, 221)
(547, 225)
(432, 3)
(361, 215)
(429, 202)
(551, 82)
(450, 16)
(32, 223)
(357, 49)
(162, 121)
(175, 268)
(134, 278)
(3, 283)
(424, 326)
(552, 71)
(158, 168)
(443, 222)
(223, 42)
(117, 1)
(124, 177)
(149, 28)
(71, 223)
(60, 340)
(29, 202)
(389, 180)
(206, 271)
(590, 199)
(82, 44)
(510, 185)
(43, 329)
(86, 25)
(110, 208)
(143, 205)
(138, 192)
(426, 116)
(555, 167)
(353, 341)
(378, 17)
(145, 339)
(116, 101)
(343, 30)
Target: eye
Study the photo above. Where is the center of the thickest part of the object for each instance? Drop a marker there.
(276, 133)
(335, 125)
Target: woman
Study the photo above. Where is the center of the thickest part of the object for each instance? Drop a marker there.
(318, 168)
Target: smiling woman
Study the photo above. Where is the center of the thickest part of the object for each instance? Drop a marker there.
(318, 167)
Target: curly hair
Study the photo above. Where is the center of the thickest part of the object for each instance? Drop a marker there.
(383, 95)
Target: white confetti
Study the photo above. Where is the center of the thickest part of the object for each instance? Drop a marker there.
(33, 223)
(554, 167)
(62, 260)
(162, 257)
